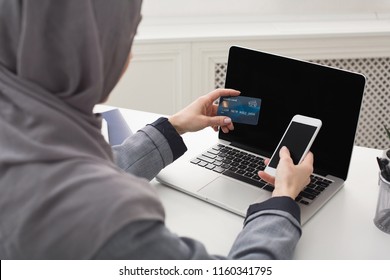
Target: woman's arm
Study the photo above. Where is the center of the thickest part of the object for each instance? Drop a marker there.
(271, 233)
(155, 146)
(149, 150)
(271, 229)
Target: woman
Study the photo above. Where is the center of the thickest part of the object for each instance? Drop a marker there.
(61, 195)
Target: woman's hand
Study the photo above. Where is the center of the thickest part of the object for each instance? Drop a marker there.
(202, 113)
(290, 179)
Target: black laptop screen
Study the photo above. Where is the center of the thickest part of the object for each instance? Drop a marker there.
(288, 87)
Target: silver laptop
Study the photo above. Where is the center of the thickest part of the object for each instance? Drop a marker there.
(225, 173)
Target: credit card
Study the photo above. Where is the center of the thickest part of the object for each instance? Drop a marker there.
(241, 109)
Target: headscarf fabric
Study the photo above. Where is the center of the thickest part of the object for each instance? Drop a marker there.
(61, 196)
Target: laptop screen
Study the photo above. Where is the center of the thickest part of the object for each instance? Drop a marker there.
(288, 87)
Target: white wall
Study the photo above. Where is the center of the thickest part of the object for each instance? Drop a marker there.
(265, 9)
(180, 41)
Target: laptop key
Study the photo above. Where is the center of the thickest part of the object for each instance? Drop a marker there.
(221, 154)
(243, 179)
(311, 186)
(212, 151)
(209, 155)
(307, 195)
(210, 166)
(269, 188)
(250, 169)
(219, 158)
(328, 181)
(241, 166)
(311, 191)
(259, 167)
(322, 184)
(206, 159)
(298, 198)
(219, 169)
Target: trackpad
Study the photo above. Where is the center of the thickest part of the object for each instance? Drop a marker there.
(233, 195)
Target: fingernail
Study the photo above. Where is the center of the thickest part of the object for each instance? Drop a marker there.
(227, 120)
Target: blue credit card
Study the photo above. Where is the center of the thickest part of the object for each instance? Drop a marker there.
(241, 109)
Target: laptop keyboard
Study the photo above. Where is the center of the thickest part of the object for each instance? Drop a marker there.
(243, 166)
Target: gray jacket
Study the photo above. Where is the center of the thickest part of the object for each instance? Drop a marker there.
(271, 229)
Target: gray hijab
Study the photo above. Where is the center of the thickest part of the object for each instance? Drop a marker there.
(61, 196)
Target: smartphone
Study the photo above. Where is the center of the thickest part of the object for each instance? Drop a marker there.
(298, 138)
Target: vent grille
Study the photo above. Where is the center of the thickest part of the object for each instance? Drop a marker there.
(376, 102)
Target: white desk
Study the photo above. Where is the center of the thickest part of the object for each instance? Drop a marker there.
(342, 229)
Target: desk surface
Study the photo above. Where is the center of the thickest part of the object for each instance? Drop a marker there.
(342, 229)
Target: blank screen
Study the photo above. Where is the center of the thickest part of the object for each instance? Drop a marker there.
(288, 87)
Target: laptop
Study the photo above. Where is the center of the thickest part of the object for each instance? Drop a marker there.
(286, 87)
